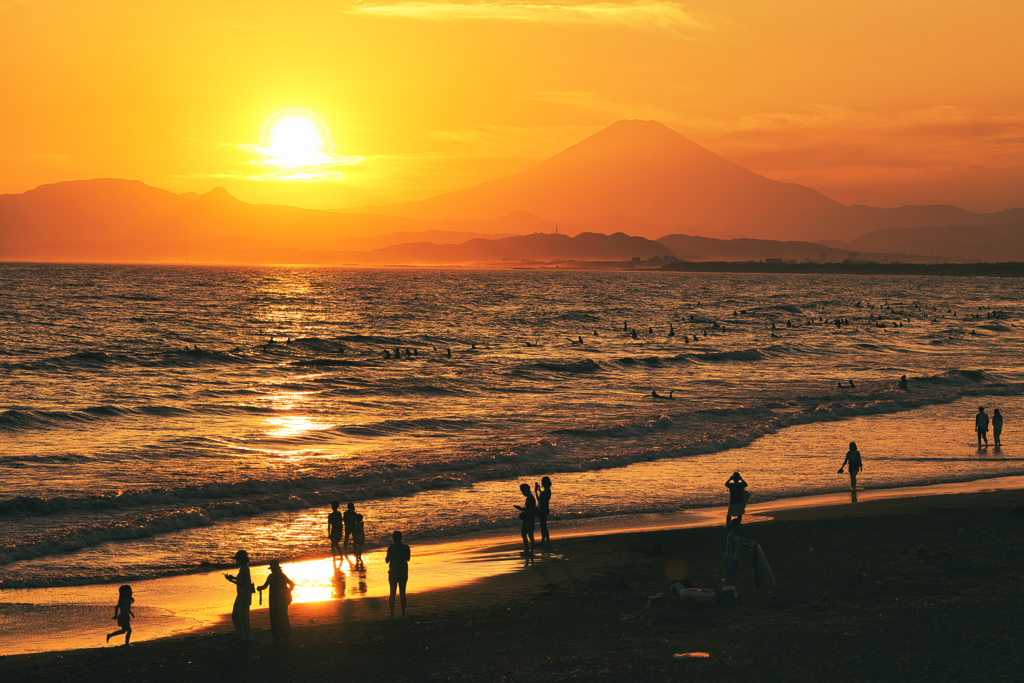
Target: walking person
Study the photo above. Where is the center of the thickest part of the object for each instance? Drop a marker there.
(123, 614)
(397, 559)
(335, 528)
(244, 589)
(738, 496)
(350, 524)
(997, 427)
(543, 508)
(981, 425)
(528, 513)
(279, 588)
(855, 462)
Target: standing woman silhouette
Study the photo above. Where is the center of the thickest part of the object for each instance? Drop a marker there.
(543, 503)
(244, 589)
(280, 590)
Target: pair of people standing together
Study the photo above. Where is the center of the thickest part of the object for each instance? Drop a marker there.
(981, 422)
(279, 588)
(531, 510)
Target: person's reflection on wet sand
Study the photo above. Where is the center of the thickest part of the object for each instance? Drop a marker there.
(338, 583)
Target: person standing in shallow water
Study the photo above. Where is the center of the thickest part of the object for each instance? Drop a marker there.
(855, 463)
(543, 508)
(280, 596)
(335, 528)
(397, 559)
(997, 427)
(244, 589)
(350, 524)
(123, 614)
(528, 514)
(981, 425)
(737, 497)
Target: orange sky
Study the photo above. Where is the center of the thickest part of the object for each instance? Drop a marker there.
(873, 101)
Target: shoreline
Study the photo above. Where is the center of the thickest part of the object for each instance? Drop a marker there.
(198, 604)
(885, 589)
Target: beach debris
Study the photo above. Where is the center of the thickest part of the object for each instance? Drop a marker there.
(701, 595)
(728, 598)
(692, 655)
(655, 599)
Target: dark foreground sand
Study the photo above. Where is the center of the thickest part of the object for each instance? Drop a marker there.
(856, 602)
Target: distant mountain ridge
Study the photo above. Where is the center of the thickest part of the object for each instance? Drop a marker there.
(630, 179)
(645, 171)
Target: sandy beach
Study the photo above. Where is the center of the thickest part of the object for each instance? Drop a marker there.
(889, 588)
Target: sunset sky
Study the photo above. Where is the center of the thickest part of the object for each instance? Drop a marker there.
(868, 102)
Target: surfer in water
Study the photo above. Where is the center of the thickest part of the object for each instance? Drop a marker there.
(902, 385)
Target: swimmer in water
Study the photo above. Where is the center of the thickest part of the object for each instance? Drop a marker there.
(902, 384)
(634, 335)
(449, 352)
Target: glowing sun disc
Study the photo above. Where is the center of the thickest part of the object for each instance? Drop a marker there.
(295, 139)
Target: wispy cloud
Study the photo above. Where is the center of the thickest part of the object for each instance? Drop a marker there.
(640, 14)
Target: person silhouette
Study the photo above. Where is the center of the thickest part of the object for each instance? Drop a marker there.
(279, 597)
(634, 335)
(528, 514)
(358, 539)
(543, 509)
(981, 425)
(903, 385)
(244, 589)
(335, 528)
(997, 426)
(350, 523)
(397, 559)
(123, 614)
(855, 462)
(737, 497)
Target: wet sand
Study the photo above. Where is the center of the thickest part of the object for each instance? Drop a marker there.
(891, 588)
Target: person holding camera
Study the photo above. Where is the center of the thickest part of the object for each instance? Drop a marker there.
(738, 497)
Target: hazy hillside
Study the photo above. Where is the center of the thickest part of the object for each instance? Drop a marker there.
(986, 243)
(707, 249)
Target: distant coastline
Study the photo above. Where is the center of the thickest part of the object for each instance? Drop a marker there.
(1009, 269)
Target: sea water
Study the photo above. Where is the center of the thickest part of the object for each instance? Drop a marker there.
(149, 425)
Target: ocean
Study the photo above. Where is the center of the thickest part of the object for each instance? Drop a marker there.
(153, 419)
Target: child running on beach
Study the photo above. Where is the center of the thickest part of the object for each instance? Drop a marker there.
(123, 614)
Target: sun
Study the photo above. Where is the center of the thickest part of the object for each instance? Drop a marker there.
(296, 144)
(295, 139)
